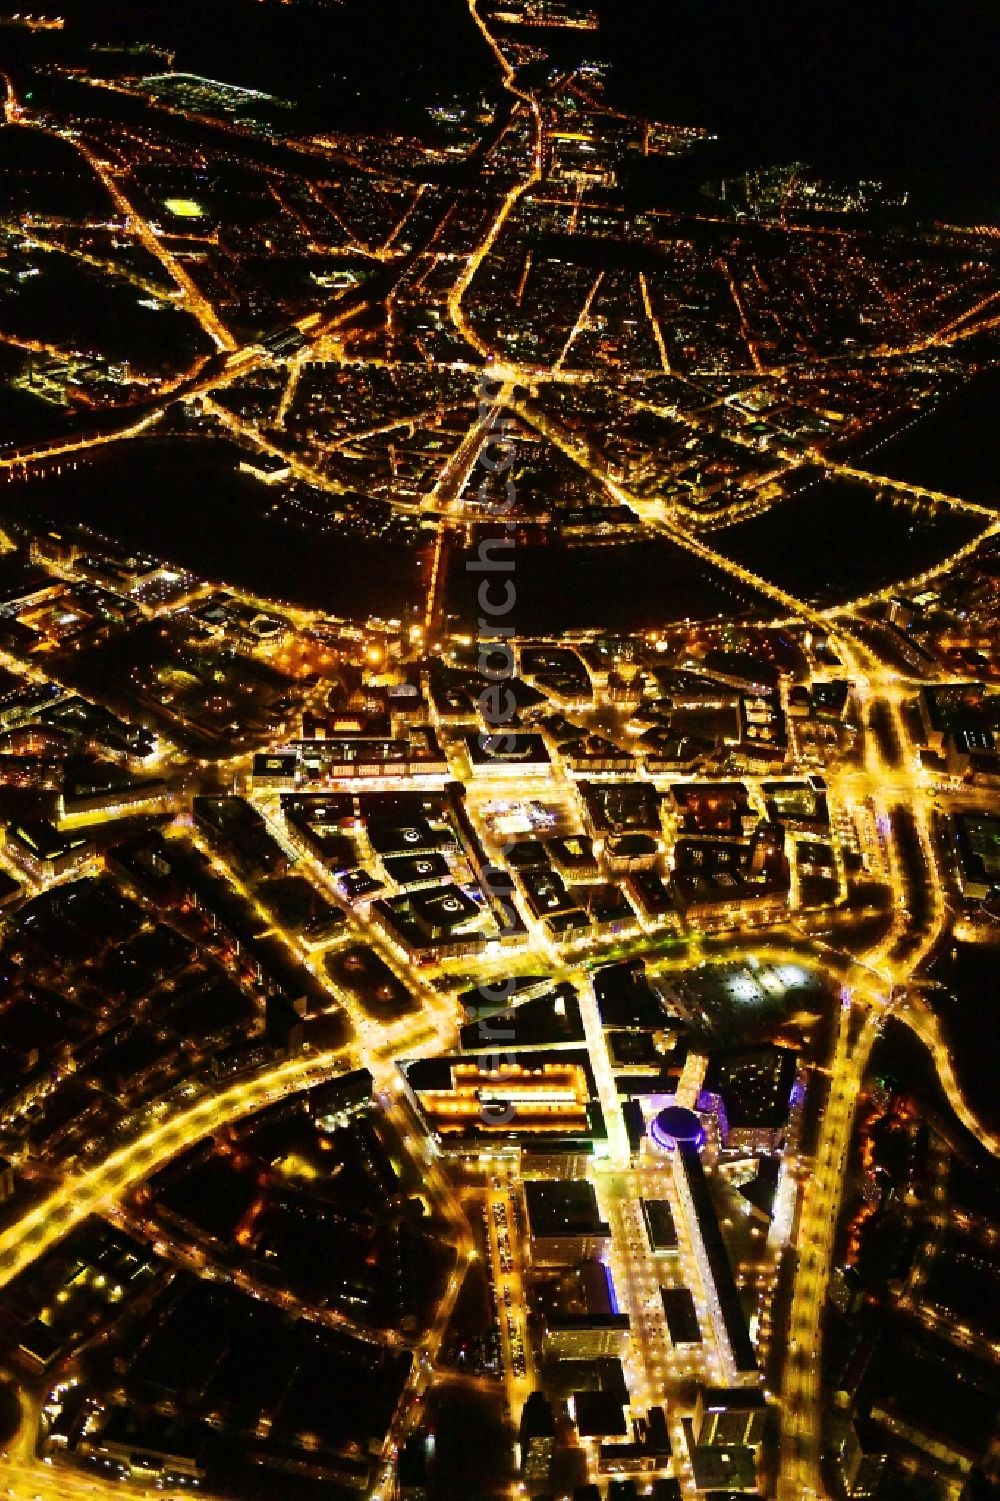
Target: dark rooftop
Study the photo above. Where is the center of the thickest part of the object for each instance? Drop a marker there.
(563, 1207)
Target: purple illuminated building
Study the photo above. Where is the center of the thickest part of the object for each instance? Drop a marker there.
(676, 1126)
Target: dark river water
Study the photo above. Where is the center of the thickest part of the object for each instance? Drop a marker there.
(184, 499)
(954, 448)
(834, 540)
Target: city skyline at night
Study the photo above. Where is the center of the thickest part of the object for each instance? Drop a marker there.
(499, 751)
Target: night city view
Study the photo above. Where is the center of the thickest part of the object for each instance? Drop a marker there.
(499, 750)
